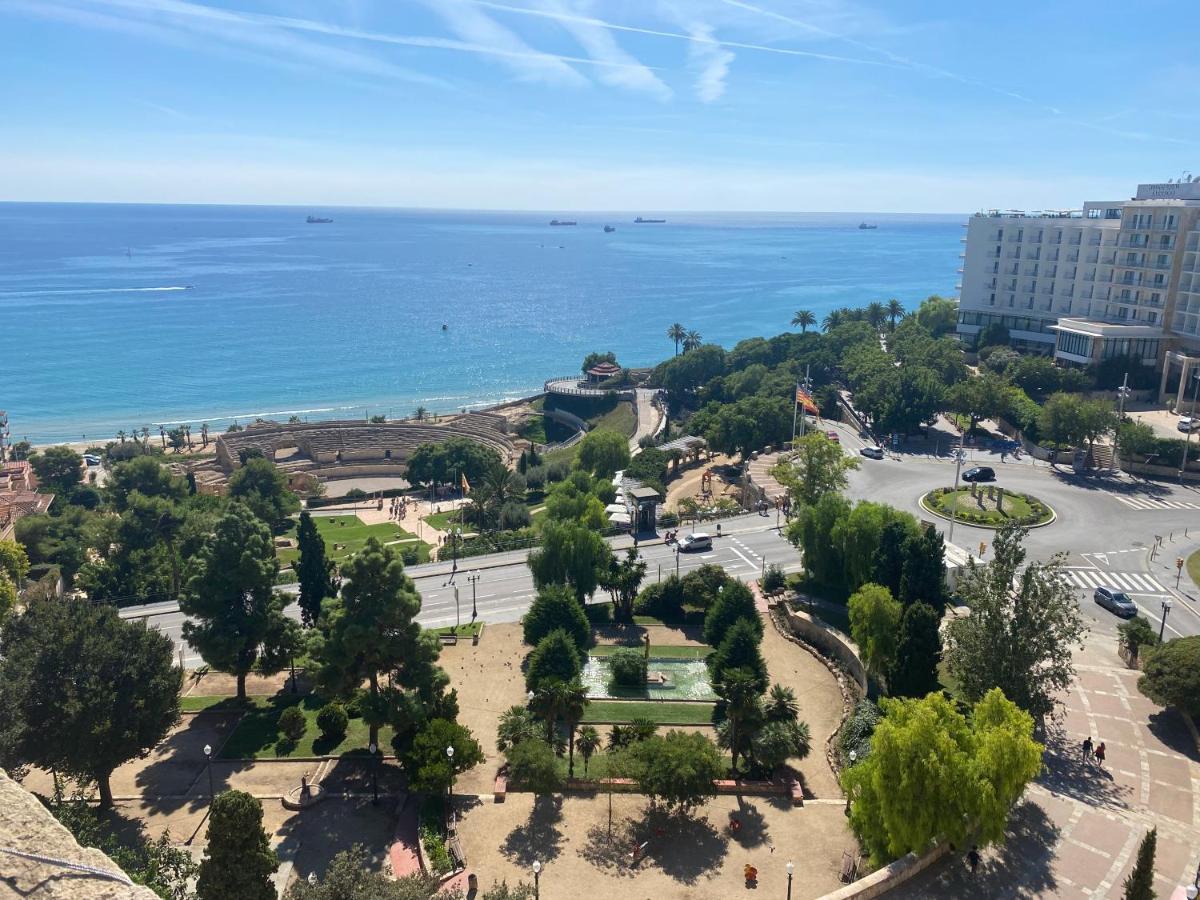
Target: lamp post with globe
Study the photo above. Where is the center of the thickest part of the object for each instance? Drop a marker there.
(537, 873)
(450, 757)
(791, 868)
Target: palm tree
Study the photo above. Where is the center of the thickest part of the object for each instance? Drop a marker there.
(146, 437)
(575, 701)
(187, 434)
(833, 320)
(420, 413)
(804, 318)
(516, 724)
(781, 705)
(876, 313)
(895, 310)
(121, 436)
(691, 341)
(676, 333)
(588, 744)
(740, 693)
(162, 433)
(204, 433)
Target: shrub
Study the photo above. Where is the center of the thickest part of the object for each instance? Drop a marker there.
(662, 599)
(773, 580)
(628, 667)
(668, 520)
(734, 602)
(292, 723)
(1172, 674)
(354, 705)
(535, 477)
(856, 733)
(355, 494)
(333, 720)
(514, 515)
(701, 586)
(556, 470)
(1136, 634)
(533, 765)
(739, 650)
(435, 849)
(555, 656)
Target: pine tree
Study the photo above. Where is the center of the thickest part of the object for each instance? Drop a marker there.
(914, 672)
(312, 571)
(1140, 883)
(238, 861)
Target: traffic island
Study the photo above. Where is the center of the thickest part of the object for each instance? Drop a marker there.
(987, 506)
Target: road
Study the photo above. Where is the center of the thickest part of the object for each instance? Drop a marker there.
(1106, 525)
(504, 589)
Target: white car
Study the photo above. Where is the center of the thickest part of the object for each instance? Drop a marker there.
(696, 541)
(872, 452)
(1188, 424)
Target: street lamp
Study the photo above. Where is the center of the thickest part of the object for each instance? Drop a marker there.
(457, 614)
(373, 749)
(1166, 608)
(312, 879)
(537, 873)
(450, 756)
(1123, 394)
(791, 867)
(208, 765)
(959, 455)
(473, 577)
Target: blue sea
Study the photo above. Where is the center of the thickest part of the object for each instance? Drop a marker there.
(117, 316)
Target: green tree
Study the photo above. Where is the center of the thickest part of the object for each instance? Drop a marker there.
(734, 602)
(923, 576)
(899, 401)
(146, 476)
(58, 469)
(1069, 419)
(555, 607)
(351, 875)
(938, 315)
(8, 596)
(985, 396)
(1137, 633)
(812, 531)
(150, 524)
(816, 468)
(60, 540)
(14, 561)
(313, 570)
(1139, 884)
(554, 658)
(603, 452)
(918, 650)
(777, 742)
(1023, 623)
(238, 861)
(229, 594)
(533, 765)
(370, 632)
(933, 774)
(678, 768)
(805, 319)
(993, 334)
(741, 709)
(263, 487)
(858, 536)
(517, 723)
(429, 767)
(621, 579)
(1037, 376)
(628, 667)
(572, 555)
(874, 623)
(450, 461)
(739, 651)
(1171, 674)
(588, 743)
(888, 566)
(745, 425)
(82, 691)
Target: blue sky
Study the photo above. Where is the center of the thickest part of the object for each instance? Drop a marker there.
(800, 105)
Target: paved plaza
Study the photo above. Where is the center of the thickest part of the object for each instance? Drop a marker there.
(1077, 832)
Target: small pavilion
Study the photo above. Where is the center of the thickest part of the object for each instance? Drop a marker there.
(602, 372)
(644, 502)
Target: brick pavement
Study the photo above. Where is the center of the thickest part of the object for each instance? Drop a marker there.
(1077, 831)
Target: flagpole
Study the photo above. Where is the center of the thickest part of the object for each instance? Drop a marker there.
(795, 407)
(807, 389)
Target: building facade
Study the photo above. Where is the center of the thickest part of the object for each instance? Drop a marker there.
(1115, 278)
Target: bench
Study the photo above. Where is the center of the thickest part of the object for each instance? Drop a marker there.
(500, 790)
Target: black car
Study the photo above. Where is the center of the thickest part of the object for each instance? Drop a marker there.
(979, 473)
(1115, 601)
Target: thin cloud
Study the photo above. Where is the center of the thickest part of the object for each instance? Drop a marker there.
(624, 71)
(473, 25)
(711, 62)
(675, 35)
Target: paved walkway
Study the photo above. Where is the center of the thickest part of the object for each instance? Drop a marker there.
(649, 418)
(402, 855)
(1077, 831)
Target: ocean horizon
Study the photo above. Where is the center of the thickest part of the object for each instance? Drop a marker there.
(119, 316)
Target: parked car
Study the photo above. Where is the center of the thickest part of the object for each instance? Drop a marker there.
(696, 541)
(1188, 424)
(1115, 601)
(872, 452)
(979, 473)
(833, 436)
(91, 459)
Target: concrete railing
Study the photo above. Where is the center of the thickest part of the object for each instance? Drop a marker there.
(890, 877)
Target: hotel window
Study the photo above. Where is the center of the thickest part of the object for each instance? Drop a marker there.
(1164, 259)
(1020, 233)
(1170, 221)
(1112, 213)
(991, 300)
(1122, 312)
(1160, 280)
(1151, 317)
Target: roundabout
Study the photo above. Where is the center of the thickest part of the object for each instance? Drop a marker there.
(987, 506)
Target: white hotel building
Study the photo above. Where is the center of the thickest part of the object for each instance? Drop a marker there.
(1116, 278)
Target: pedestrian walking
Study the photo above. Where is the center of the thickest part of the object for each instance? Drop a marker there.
(1087, 748)
(1100, 755)
(973, 858)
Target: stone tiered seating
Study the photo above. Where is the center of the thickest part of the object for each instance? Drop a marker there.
(348, 442)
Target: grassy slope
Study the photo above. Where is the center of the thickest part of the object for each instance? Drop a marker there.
(663, 712)
(352, 533)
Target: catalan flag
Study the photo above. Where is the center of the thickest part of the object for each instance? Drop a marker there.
(805, 399)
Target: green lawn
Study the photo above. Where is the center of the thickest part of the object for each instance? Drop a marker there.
(350, 535)
(467, 630)
(1193, 567)
(444, 520)
(621, 418)
(662, 712)
(257, 734)
(1020, 507)
(660, 651)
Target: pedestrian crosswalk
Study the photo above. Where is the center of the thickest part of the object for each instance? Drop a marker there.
(1147, 503)
(1133, 582)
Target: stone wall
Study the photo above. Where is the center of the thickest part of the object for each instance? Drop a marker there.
(828, 640)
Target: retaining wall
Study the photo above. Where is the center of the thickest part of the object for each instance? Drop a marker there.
(829, 640)
(890, 877)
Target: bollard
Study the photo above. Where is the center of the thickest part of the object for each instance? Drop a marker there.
(999, 499)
